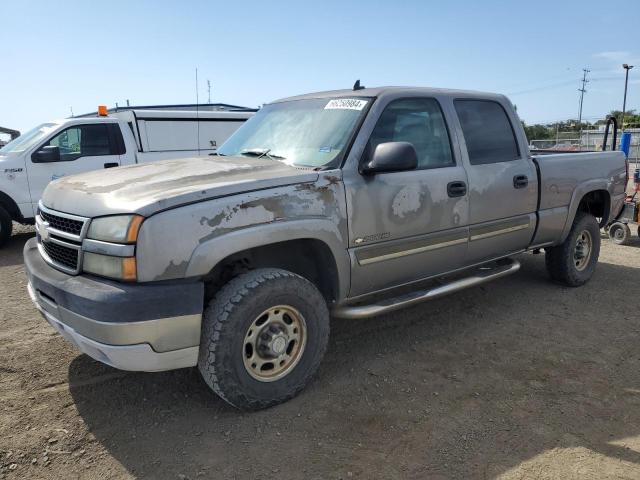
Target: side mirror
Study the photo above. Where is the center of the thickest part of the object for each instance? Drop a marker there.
(46, 154)
(391, 157)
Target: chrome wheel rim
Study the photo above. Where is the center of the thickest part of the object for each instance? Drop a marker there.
(582, 250)
(274, 343)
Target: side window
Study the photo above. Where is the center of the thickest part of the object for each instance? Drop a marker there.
(82, 141)
(487, 132)
(420, 122)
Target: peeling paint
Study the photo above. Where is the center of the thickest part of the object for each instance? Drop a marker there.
(316, 199)
(174, 270)
(198, 230)
(407, 201)
(148, 188)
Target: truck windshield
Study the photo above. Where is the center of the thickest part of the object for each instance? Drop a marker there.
(26, 140)
(306, 133)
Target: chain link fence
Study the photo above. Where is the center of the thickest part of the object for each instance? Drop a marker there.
(588, 140)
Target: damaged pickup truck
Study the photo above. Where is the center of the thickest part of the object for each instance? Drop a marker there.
(348, 203)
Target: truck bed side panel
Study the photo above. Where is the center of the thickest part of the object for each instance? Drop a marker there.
(565, 179)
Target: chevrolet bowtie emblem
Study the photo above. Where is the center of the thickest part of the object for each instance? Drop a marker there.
(42, 230)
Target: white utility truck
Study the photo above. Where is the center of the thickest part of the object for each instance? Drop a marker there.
(110, 139)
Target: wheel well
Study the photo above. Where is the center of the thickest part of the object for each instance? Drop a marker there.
(309, 258)
(598, 204)
(10, 206)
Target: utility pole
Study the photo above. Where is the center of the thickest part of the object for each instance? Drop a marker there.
(582, 92)
(209, 90)
(626, 82)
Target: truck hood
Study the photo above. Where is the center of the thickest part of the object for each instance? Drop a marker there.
(150, 187)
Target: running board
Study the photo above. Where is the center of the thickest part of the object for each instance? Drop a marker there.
(479, 277)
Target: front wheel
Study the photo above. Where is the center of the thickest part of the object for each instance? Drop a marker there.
(573, 262)
(263, 337)
(619, 233)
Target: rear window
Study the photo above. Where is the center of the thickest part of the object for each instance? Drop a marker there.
(487, 132)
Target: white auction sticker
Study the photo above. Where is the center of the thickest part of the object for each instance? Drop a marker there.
(345, 104)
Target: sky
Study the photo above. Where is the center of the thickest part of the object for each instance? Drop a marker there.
(63, 55)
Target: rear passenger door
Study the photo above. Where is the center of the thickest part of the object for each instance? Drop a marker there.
(502, 180)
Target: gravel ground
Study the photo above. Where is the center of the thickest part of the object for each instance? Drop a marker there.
(517, 379)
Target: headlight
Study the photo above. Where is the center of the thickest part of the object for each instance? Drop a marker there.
(120, 268)
(116, 229)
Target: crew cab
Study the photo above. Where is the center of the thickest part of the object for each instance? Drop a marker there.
(350, 203)
(80, 144)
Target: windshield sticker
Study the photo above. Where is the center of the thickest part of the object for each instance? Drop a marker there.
(325, 149)
(346, 104)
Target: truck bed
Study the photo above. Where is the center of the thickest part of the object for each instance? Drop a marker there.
(565, 177)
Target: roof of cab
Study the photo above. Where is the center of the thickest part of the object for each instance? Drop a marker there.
(382, 91)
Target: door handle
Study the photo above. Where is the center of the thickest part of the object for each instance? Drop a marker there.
(520, 181)
(456, 189)
(111, 165)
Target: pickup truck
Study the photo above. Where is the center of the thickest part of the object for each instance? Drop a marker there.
(348, 203)
(81, 144)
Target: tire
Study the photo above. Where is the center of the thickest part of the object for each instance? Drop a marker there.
(573, 262)
(619, 233)
(6, 226)
(237, 369)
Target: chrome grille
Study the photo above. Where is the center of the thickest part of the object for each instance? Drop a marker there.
(62, 255)
(63, 224)
(60, 238)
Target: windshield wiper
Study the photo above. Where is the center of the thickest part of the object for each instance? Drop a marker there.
(261, 152)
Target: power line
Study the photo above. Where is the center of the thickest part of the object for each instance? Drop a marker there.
(553, 86)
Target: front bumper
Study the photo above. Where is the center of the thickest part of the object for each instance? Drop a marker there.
(135, 327)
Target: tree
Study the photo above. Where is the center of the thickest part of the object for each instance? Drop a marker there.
(631, 118)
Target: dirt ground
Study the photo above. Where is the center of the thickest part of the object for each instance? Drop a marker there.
(518, 379)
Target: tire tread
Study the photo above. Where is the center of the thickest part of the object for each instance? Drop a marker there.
(217, 317)
(559, 259)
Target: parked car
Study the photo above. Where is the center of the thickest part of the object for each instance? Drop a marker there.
(345, 202)
(66, 147)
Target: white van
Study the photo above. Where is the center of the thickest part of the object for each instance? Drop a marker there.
(74, 145)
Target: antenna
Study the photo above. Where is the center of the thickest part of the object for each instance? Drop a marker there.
(197, 113)
(357, 86)
(71, 108)
(127, 102)
(209, 89)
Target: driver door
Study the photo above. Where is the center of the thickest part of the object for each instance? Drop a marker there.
(409, 225)
(82, 148)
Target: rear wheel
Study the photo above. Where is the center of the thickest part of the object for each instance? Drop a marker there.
(6, 226)
(573, 262)
(263, 337)
(619, 233)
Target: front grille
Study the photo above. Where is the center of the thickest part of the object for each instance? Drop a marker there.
(67, 225)
(65, 256)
